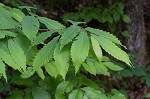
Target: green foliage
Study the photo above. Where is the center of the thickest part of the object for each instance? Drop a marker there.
(109, 17)
(65, 53)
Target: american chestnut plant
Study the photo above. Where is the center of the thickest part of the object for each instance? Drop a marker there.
(61, 49)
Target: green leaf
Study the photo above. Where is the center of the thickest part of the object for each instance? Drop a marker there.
(113, 49)
(22, 82)
(27, 8)
(7, 23)
(69, 34)
(40, 93)
(62, 60)
(126, 33)
(29, 72)
(97, 49)
(43, 36)
(126, 19)
(50, 24)
(30, 27)
(17, 14)
(40, 73)
(75, 23)
(104, 34)
(45, 54)
(94, 94)
(147, 78)
(81, 79)
(3, 34)
(147, 95)
(112, 66)
(2, 69)
(4, 13)
(89, 66)
(6, 57)
(16, 94)
(51, 69)
(63, 87)
(117, 95)
(17, 54)
(25, 44)
(101, 69)
(80, 50)
(76, 94)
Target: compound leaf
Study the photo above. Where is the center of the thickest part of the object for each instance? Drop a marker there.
(113, 49)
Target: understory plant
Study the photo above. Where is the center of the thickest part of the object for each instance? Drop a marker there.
(63, 57)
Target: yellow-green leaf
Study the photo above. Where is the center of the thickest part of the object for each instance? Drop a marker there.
(40, 73)
(62, 60)
(113, 49)
(51, 69)
(17, 54)
(97, 49)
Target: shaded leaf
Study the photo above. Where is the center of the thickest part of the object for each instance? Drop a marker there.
(50, 24)
(63, 87)
(43, 36)
(40, 93)
(45, 54)
(2, 69)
